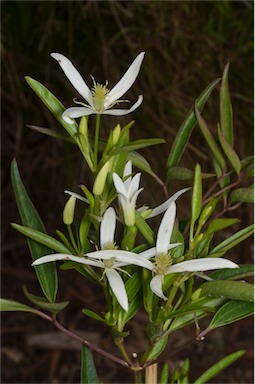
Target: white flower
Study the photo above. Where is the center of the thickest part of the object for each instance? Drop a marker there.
(99, 99)
(128, 191)
(163, 261)
(109, 258)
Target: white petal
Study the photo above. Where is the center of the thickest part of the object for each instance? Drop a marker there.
(119, 185)
(118, 287)
(107, 228)
(79, 197)
(127, 80)
(165, 229)
(201, 265)
(162, 207)
(128, 210)
(122, 112)
(62, 256)
(124, 256)
(73, 76)
(149, 253)
(156, 286)
(128, 169)
(74, 112)
(134, 185)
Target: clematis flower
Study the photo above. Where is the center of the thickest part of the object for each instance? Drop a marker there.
(128, 191)
(108, 258)
(99, 99)
(163, 262)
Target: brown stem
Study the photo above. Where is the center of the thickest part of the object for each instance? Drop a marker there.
(88, 344)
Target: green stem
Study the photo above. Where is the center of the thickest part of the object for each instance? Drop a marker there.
(72, 239)
(97, 129)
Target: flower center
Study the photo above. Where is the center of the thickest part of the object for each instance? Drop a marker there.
(162, 262)
(99, 93)
(109, 262)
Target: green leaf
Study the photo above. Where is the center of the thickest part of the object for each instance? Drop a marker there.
(144, 229)
(158, 348)
(229, 152)
(233, 273)
(219, 224)
(231, 241)
(88, 370)
(51, 133)
(235, 290)
(46, 273)
(230, 312)
(134, 145)
(43, 303)
(209, 138)
(226, 115)
(7, 305)
(53, 104)
(164, 374)
(181, 173)
(185, 130)
(218, 367)
(140, 162)
(242, 195)
(93, 315)
(196, 201)
(41, 238)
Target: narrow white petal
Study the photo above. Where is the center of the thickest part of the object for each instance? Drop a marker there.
(127, 80)
(119, 185)
(123, 256)
(127, 172)
(162, 207)
(122, 112)
(156, 286)
(74, 112)
(118, 287)
(134, 185)
(165, 229)
(62, 256)
(201, 265)
(107, 228)
(79, 197)
(73, 76)
(149, 253)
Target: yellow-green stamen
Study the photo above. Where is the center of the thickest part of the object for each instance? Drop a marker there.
(99, 93)
(162, 262)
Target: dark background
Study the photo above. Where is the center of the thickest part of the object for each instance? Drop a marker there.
(187, 45)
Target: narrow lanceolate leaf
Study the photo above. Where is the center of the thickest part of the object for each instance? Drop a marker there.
(137, 144)
(235, 290)
(242, 195)
(88, 370)
(53, 104)
(46, 274)
(196, 201)
(220, 224)
(41, 238)
(231, 241)
(218, 367)
(243, 271)
(229, 152)
(185, 130)
(181, 173)
(140, 162)
(41, 302)
(226, 115)
(230, 312)
(209, 138)
(7, 305)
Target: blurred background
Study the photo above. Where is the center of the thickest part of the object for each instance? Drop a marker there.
(187, 45)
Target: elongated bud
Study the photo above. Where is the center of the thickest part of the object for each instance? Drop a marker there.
(116, 134)
(68, 213)
(83, 127)
(101, 179)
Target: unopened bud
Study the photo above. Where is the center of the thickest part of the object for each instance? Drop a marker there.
(116, 134)
(68, 213)
(101, 179)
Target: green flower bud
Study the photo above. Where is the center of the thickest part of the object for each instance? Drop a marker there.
(68, 213)
(101, 179)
